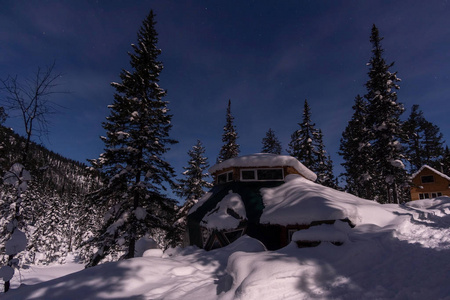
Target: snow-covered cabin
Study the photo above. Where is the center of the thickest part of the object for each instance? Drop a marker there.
(428, 182)
(244, 200)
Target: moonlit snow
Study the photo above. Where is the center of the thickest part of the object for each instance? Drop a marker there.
(393, 252)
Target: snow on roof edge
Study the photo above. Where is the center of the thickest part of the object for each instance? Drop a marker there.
(264, 160)
(432, 169)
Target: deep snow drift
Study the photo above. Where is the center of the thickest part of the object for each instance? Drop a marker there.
(394, 252)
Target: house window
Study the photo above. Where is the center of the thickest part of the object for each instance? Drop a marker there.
(435, 195)
(427, 179)
(424, 196)
(270, 174)
(262, 174)
(248, 175)
(225, 177)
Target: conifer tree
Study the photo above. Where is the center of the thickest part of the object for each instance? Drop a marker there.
(137, 137)
(304, 141)
(271, 144)
(324, 169)
(230, 148)
(383, 120)
(356, 152)
(191, 188)
(445, 161)
(423, 141)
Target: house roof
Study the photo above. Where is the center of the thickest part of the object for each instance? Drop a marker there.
(264, 160)
(431, 169)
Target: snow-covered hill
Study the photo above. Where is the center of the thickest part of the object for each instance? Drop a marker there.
(406, 257)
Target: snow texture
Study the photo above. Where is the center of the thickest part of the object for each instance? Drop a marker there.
(264, 160)
(300, 201)
(405, 257)
(229, 212)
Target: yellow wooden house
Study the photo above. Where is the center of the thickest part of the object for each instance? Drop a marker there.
(428, 182)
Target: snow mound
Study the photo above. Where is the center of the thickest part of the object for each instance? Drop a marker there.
(323, 233)
(300, 201)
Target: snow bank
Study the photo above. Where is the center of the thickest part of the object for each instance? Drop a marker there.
(300, 201)
(265, 160)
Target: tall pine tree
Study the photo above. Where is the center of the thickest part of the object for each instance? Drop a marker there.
(383, 120)
(191, 188)
(230, 148)
(271, 144)
(324, 169)
(137, 137)
(423, 141)
(304, 141)
(355, 150)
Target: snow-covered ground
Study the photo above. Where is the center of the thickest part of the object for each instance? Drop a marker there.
(402, 257)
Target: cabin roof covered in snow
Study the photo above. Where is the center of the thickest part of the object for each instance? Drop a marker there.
(432, 169)
(264, 160)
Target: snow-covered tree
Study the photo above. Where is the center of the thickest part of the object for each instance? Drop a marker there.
(270, 143)
(423, 141)
(14, 236)
(356, 152)
(304, 141)
(191, 188)
(383, 120)
(193, 185)
(445, 161)
(324, 169)
(230, 148)
(137, 137)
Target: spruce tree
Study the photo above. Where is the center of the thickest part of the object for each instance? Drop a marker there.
(324, 169)
(423, 141)
(137, 137)
(191, 188)
(383, 120)
(304, 141)
(356, 152)
(230, 148)
(271, 144)
(445, 161)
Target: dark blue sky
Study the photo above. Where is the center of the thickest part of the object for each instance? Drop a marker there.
(266, 56)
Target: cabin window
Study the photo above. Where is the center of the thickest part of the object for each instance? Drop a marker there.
(427, 179)
(424, 196)
(225, 177)
(261, 174)
(270, 174)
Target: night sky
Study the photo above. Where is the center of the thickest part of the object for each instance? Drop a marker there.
(266, 56)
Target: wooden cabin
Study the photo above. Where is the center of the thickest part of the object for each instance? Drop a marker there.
(429, 183)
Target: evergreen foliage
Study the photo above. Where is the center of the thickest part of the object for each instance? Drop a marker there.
(304, 141)
(356, 152)
(445, 162)
(324, 169)
(191, 188)
(271, 144)
(423, 141)
(230, 148)
(137, 137)
(384, 127)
